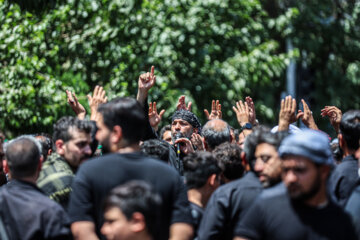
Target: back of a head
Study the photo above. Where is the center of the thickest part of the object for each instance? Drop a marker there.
(228, 156)
(156, 148)
(23, 156)
(198, 167)
(63, 127)
(164, 129)
(46, 143)
(128, 114)
(137, 196)
(350, 128)
(216, 132)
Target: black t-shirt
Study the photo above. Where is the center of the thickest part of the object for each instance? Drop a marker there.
(197, 213)
(95, 178)
(343, 179)
(275, 216)
(227, 205)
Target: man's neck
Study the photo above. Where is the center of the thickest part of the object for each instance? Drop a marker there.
(129, 148)
(199, 196)
(319, 199)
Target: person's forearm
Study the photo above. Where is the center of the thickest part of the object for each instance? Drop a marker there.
(181, 231)
(84, 231)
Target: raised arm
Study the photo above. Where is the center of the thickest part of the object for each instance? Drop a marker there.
(334, 115)
(287, 113)
(215, 111)
(182, 104)
(98, 97)
(154, 116)
(145, 83)
(242, 115)
(307, 116)
(75, 105)
(252, 112)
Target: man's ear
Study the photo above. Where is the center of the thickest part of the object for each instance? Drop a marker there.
(137, 222)
(116, 135)
(60, 147)
(212, 180)
(5, 166)
(324, 172)
(244, 161)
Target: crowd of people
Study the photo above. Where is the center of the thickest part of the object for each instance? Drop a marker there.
(115, 175)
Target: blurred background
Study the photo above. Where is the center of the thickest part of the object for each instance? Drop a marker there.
(204, 49)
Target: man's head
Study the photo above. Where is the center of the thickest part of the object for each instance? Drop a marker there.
(23, 157)
(185, 123)
(156, 148)
(231, 161)
(349, 135)
(267, 161)
(200, 169)
(131, 211)
(46, 142)
(215, 132)
(122, 124)
(307, 160)
(165, 134)
(72, 140)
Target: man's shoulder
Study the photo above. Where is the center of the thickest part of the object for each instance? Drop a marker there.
(53, 165)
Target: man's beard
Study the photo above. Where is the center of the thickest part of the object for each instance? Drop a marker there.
(303, 196)
(105, 145)
(179, 134)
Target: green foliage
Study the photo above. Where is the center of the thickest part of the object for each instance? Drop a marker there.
(205, 49)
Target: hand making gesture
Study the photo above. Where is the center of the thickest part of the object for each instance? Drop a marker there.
(252, 113)
(215, 111)
(307, 116)
(98, 97)
(154, 116)
(334, 115)
(145, 83)
(287, 113)
(182, 105)
(75, 105)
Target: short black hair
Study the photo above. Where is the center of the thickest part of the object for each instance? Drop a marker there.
(228, 156)
(251, 141)
(63, 125)
(350, 128)
(198, 167)
(127, 113)
(46, 143)
(137, 196)
(214, 137)
(164, 129)
(23, 156)
(156, 148)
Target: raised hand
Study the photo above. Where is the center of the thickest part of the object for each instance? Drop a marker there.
(154, 116)
(287, 113)
(252, 113)
(307, 116)
(198, 142)
(334, 115)
(242, 112)
(145, 83)
(75, 105)
(215, 111)
(98, 97)
(182, 105)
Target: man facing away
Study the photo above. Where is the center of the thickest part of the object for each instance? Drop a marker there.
(72, 140)
(120, 129)
(26, 213)
(302, 210)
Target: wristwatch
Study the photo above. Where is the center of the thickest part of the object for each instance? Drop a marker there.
(246, 126)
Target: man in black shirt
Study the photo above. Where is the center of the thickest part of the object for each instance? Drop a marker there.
(230, 201)
(25, 212)
(302, 210)
(344, 177)
(120, 129)
(202, 177)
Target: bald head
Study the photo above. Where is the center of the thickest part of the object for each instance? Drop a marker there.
(215, 132)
